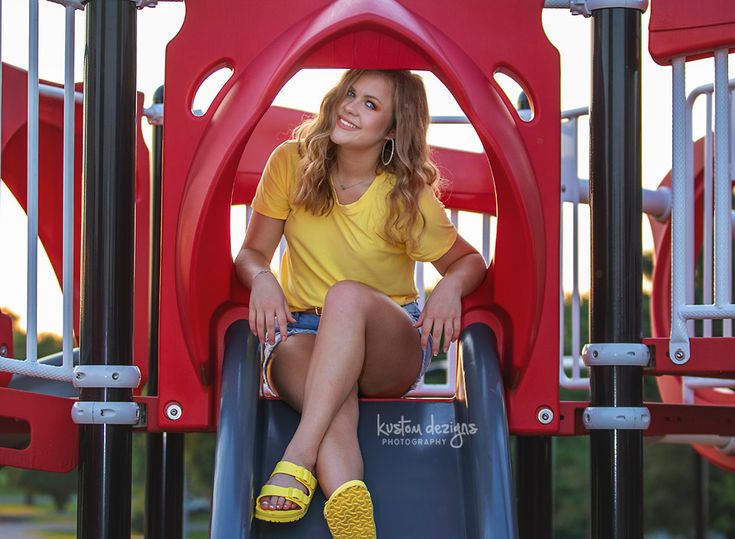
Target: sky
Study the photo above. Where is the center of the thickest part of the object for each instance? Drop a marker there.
(156, 26)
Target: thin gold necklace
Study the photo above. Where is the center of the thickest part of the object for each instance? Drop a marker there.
(346, 187)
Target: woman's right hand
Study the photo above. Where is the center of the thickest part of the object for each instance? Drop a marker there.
(268, 304)
(267, 301)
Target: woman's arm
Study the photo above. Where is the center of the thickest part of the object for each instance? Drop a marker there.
(252, 265)
(463, 269)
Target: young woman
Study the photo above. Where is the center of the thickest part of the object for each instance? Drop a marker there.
(355, 195)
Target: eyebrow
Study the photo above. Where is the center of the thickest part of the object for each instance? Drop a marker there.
(367, 95)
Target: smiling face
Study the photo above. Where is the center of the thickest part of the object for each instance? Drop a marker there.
(364, 117)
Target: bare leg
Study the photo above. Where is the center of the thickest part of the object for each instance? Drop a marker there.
(352, 311)
(339, 458)
(364, 339)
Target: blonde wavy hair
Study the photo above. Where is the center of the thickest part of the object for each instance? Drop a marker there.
(411, 164)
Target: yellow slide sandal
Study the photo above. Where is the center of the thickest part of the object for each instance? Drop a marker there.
(292, 494)
(349, 512)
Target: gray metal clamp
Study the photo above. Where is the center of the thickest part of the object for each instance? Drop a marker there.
(618, 417)
(106, 376)
(105, 413)
(586, 7)
(616, 355)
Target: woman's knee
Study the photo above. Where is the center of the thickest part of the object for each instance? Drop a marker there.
(348, 294)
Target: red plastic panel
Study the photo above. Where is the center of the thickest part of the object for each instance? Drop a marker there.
(50, 179)
(705, 358)
(691, 29)
(264, 44)
(665, 419)
(54, 436)
(6, 343)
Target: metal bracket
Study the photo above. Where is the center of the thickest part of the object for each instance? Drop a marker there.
(616, 355)
(679, 352)
(105, 413)
(154, 114)
(106, 376)
(586, 7)
(618, 417)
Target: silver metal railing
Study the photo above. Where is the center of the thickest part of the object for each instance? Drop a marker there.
(30, 366)
(570, 188)
(714, 142)
(684, 309)
(573, 374)
(658, 203)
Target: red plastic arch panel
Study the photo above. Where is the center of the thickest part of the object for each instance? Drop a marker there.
(50, 181)
(670, 387)
(690, 29)
(265, 44)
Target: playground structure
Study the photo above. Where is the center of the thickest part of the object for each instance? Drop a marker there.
(510, 345)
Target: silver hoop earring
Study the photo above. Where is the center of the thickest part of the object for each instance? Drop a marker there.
(392, 151)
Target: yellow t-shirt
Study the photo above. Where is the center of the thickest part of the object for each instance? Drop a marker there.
(345, 244)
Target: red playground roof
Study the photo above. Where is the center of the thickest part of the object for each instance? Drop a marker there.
(691, 29)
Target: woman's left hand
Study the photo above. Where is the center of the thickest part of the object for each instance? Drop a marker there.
(441, 315)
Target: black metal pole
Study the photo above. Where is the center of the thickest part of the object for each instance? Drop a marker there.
(616, 456)
(701, 498)
(533, 485)
(164, 487)
(107, 265)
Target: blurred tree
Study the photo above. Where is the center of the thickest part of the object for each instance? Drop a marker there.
(571, 487)
(199, 462)
(60, 486)
(48, 343)
(722, 501)
(668, 483)
(138, 487)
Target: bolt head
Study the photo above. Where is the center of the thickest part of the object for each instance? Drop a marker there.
(545, 415)
(173, 411)
(3, 350)
(679, 354)
(115, 375)
(595, 353)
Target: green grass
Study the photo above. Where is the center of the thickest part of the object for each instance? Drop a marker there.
(19, 511)
(56, 534)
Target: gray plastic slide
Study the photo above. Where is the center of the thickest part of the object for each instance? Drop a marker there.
(435, 469)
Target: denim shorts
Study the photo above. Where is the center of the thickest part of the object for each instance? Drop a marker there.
(309, 323)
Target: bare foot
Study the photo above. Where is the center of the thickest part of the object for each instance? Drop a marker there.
(279, 503)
